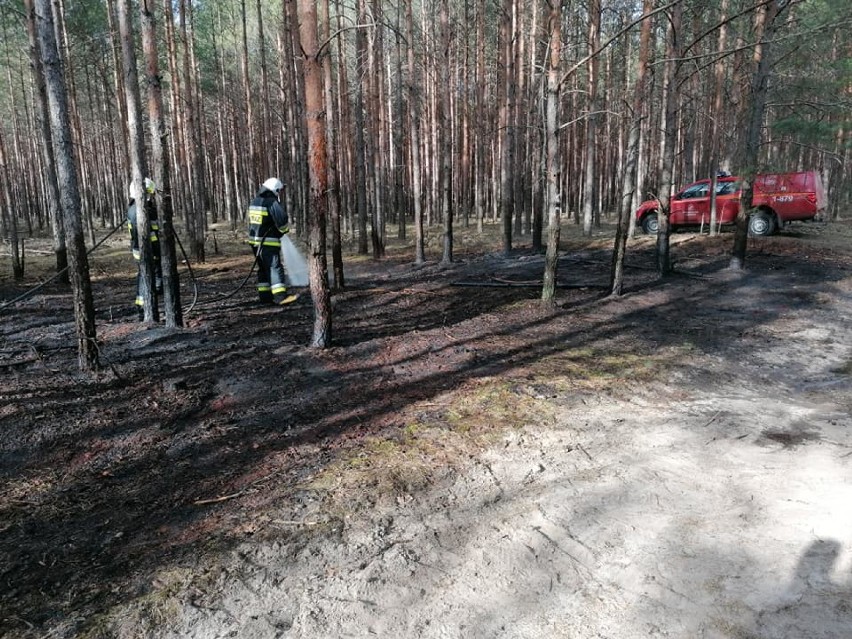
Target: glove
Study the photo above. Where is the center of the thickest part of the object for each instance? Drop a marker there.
(284, 230)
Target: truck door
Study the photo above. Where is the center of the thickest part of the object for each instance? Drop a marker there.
(691, 203)
(727, 202)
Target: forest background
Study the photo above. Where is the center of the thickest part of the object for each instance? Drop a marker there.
(429, 113)
(449, 426)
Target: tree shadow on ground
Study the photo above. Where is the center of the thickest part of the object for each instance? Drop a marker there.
(101, 493)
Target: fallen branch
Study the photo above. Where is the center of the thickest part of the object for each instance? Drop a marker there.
(217, 500)
(504, 284)
(584, 451)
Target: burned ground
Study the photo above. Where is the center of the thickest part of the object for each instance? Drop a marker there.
(142, 500)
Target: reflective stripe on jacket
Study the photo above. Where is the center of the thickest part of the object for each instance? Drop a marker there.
(267, 220)
(151, 209)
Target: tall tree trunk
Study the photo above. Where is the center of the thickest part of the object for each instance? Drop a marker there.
(592, 119)
(334, 201)
(8, 214)
(318, 173)
(162, 176)
(716, 115)
(625, 213)
(414, 94)
(138, 166)
(84, 308)
(480, 125)
(247, 92)
(268, 160)
(49, 179)
(748, 163)
(446, 146)
(552, 170)
(667, 154)
(196, 215)
(360, 142)
(373, 140)
(507, 129)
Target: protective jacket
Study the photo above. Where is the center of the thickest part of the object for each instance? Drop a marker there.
(132, 225)
(267, 220)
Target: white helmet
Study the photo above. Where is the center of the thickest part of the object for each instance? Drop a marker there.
(149, 185)
(273, 184)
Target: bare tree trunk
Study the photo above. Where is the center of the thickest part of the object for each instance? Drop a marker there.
(446, 146)
(84, 308)
(138, 167)
(229, 188)
(120, 188)
(759, 88)
(247, 92)
(414, 134)
(551, 260)
(373, 141)
(63, 43)
(48, 162)
(360, 143)
(318, 172)
(480, 126)
(667, 154)
(268, 160)
(8, 217)
(333, 176)
(178, 147)
(716, 115)
(625, 213)
(162, 176)
(591, 120)
(196, 215)
(507, 128)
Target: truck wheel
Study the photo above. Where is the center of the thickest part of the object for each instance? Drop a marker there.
(760, 224)
(650, 224)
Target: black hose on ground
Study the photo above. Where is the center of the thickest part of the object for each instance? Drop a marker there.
(236, 290)
(192, 277)
(28, 293)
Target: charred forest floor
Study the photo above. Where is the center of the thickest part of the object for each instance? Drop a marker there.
(462, 462)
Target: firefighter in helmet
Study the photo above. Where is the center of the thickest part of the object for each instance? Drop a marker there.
(151, 210)
(267, 225)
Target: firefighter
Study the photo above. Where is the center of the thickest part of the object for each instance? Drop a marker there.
(267, 225)
(151, 210)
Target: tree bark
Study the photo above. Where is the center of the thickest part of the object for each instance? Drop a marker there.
(162, 176)
(552, 170)
(360, 142)
(589, 191)
(84, 308)
(625, 213)
(196, 215)
(138, 166)
(333, 176)
(669, 140)
(49, 180)
(507, 37)
(716, 129)
(317, 172)
(749, 163)
(445, 129)
(414, 93)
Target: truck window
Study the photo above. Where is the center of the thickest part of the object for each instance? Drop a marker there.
(696, 190)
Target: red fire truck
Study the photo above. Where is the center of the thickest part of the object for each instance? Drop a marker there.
(779, 198)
